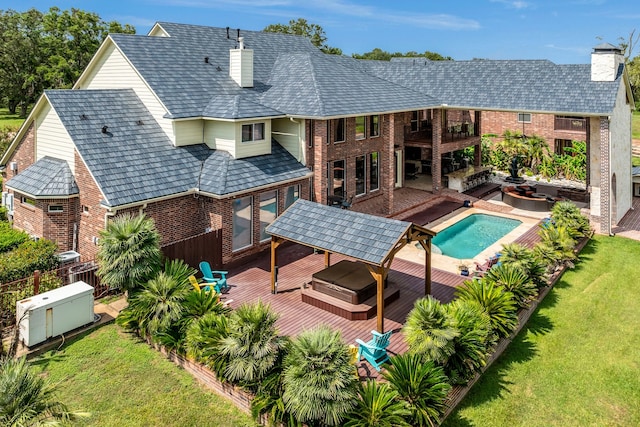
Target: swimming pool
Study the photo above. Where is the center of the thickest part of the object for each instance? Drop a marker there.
(471, 235)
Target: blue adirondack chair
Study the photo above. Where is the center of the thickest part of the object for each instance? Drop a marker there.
(215, 277)
(375, 351)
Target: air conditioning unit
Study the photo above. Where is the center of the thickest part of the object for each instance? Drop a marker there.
(55, 312)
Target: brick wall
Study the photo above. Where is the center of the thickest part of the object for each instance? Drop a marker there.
(58, 226)
(24, 154)
(90, 213)
(543, 125)
(28, 217)
(391, 131)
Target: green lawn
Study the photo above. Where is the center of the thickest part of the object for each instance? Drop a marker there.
(9, 120)
(122, 382)
(635, 125)
(577, 362)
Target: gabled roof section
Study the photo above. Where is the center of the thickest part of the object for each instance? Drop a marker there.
(133, 160)
(364, 237)
(224, 175)
(327, 85)
(512, 85)
(46, 178)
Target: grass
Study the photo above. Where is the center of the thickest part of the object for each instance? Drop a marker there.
(10, 120)
(635, 125)
(577, 362)
(635, 161)
(122, 381)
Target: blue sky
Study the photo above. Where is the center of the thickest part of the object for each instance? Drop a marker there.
(563, 31)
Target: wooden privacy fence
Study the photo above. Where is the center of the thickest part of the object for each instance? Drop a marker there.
(39, 282)
(203, 247)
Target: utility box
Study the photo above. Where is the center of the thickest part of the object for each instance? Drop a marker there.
(69, 257)
(54, 313)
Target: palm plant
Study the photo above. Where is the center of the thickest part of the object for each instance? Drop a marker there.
(203, 341)
(536, 151)
(268, 396)
(319, 385)
(470, 346)
(253, 343)
(128, 252)
(378, 406)
(496, 302)
(566, 214)
(556, 247)
(158, 305)
(526, 259)
(513, 279)
(429, 331)
(26, 399)
(423, 386)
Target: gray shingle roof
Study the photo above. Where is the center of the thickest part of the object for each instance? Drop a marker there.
(293, 77)
(48, 177)
(516, 85)
(364, 237)
(134, 162)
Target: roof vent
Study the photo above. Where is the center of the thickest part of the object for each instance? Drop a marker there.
(104, 129)
(83, 117)
(139, 122)
(206, 59)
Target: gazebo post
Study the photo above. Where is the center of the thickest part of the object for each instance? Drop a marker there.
(379, 276)
(327, 259)
(275, 242)
(427, 268)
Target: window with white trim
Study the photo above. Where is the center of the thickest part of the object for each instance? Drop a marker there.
(414, 121)
(253, 132)
(55, 208)
(27, 201)
(524, 117)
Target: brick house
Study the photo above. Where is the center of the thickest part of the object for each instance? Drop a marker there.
(205, 129)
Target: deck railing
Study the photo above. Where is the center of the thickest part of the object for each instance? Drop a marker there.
(570, 123)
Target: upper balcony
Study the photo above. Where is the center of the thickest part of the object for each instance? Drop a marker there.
(454, 131)
(574, 124)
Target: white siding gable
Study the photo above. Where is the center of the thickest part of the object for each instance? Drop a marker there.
(290, 135)
(52, 139)
(112, 70)
(188, 132)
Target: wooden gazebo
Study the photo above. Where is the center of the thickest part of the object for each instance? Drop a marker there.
(367, 238)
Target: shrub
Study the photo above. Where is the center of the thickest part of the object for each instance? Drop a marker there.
(10, 238)
(423, 386)
(429, 330)
(470, 345)
(566, 214)
(319, 384)
(513, 279)
(203, 340)
(4, 216)
(496, 302)
(520, 256)
(8, 300)
(253, 344)
(378, 406)
(556, 247)
(27, 258)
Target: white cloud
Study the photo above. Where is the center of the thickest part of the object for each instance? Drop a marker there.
(574, 49)
(514, 4)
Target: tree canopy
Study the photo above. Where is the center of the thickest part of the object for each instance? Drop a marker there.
(382, 55)
(301, 27)
(47, 50)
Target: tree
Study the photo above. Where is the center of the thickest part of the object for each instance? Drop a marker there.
(301, 27)
(319, 385)
(27, 399)
(381, 55)
(129, 252)
(47, 50)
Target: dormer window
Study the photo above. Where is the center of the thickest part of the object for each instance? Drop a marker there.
(253, 132)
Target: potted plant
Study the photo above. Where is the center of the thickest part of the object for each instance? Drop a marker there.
(464, 268)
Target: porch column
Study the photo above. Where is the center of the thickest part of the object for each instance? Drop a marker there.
(275, 242)
(436, 155)
(387, 162)
(477, 149)
(605, 177)
(378, 274)
(319, 163)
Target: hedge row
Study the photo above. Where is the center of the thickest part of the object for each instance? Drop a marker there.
(10, 238)
(26, 258)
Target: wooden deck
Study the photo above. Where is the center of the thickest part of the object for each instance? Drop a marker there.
(251, 282)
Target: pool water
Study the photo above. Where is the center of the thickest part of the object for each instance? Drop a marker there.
(470, 236)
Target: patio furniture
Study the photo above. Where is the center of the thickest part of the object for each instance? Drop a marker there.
(215, 277)
(410, 170)
(375, 351)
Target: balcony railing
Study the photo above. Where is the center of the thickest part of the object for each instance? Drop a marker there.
(570, 123)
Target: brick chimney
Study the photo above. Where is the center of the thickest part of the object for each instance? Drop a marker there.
(241, 64)
(605, 61)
